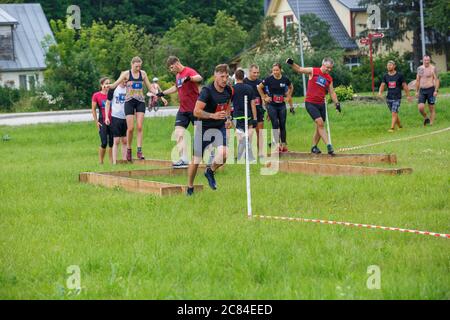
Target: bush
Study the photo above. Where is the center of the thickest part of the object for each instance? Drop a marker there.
(9, 97)
(343, 93)
(444, 77)
(44, 101)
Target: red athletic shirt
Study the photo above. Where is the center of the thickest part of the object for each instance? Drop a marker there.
(100, 99)
(188, 91)
(318, 87)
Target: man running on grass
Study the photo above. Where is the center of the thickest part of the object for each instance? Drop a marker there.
(240, 91)
(320, 82)
(116, 105)
(135, 103)
(395, 82)
(212, 111)
(253, 80)
(427, 88)
(187, 83)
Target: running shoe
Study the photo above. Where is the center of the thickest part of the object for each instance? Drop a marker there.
(180, 165)
(284, 149)
(190, 192)
(330, 150)
(129, 155)
(426, 122)
(209, 174)
(140, 156)
(391, 130)
(315, 150)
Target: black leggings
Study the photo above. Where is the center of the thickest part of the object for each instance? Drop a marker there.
(278, 114)
(106, 136)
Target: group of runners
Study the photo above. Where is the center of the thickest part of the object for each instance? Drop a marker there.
(217, 107)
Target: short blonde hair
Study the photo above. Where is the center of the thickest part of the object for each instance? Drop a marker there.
(136, 60)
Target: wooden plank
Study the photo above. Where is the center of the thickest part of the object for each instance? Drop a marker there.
(134, 185)
(147, 173)
(341, 158)
(327, 169)
(149, 162)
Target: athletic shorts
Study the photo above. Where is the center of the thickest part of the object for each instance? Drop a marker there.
(240, 124)
(427, 95)
(119, 127)
(183, 119)
(106, 136)
(394, 105)
(260, 114)
(316, 111)
(133, 106)
(207, 136)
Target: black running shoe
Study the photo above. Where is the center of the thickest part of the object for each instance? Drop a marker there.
(209, 174)
(315, 150)
(426, 122)
(330, 150)
(190, 192)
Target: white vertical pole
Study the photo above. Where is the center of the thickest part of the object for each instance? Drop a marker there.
(328, 121)
(247, 162)
(422, 28)
(300, 40)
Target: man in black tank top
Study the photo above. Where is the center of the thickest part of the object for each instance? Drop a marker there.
(213, 114)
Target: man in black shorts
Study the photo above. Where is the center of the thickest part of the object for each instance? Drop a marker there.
(253, 80)
(187, 84)
(213, 113)
(320, 82)
(242, 90)
(427, 88)
(395, 83)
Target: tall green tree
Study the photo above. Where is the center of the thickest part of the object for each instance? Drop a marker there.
(157, 16)
(203, 46)
(404, 16)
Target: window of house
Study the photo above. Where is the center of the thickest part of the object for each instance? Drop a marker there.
(6, 43)
(32, 81)
(23, 82)
(289, 26)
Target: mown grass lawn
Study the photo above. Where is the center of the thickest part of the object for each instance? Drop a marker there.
(144, 247)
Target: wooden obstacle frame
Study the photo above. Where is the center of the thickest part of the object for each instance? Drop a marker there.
(127, 180)
(338, 165)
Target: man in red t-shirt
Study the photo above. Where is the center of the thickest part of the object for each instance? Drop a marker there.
(187, 86)
(320, 82)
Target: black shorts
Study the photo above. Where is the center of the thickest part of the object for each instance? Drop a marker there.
(316, 111)
(427, 95)
(207, 136)
(240, 124)
(119, 127)
(183, 119)
(133, 106)
(260, 114)
(106, 136)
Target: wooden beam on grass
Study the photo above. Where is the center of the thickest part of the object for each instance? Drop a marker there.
(341, 158)
(328, 169)
(134, 185)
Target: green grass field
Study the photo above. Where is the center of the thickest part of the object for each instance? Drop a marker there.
(134, 246)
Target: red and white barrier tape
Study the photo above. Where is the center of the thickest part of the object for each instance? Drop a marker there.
(390, 141)
(358, 225)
